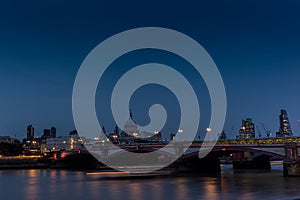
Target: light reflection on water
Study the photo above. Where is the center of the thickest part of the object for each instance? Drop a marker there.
(70, 185)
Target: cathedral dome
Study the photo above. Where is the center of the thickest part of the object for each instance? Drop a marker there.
(130, 127)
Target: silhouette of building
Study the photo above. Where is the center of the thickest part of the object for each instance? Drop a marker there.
(49, 133)
(8, 139)
(247, 130)
(285, 129)
(116, 131)
(223, 136)
(172, 136)
(30, 132)
(46, 133)
(74, 132)
(114, 137)
(53, 132)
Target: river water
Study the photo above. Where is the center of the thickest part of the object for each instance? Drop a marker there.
(71, 185)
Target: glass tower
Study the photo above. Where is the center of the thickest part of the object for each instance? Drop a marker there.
(284, 125)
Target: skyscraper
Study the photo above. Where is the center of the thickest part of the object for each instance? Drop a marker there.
(247, 131)
(284, 125)
(49, 133)
(46, 133)
(30, 132)
(53, 132)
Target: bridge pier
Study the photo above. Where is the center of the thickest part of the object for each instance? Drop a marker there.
(291, 163)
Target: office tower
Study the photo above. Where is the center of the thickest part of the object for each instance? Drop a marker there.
(53, 132)
(247, 130)
(30, 132)
(284, 125)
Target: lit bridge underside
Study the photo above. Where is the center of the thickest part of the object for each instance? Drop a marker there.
(185, 155)
(272, 147)
(189, 160)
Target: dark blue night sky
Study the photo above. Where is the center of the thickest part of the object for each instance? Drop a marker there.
(255, 45)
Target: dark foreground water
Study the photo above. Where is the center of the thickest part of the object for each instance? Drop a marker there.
(71, 185)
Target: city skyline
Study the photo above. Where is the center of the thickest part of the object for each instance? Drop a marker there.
(247, 130)
(254, 45)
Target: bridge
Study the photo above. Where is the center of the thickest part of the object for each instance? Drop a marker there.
(273, 150)
(243, 154)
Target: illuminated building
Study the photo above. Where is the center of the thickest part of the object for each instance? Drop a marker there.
(114, 137)
(284, 125)
(247, 130)
(71, 142)
(130, 131)
(8, 139)
(130, 128)
(131, 134)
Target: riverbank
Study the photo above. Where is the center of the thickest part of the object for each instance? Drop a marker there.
(24, 162)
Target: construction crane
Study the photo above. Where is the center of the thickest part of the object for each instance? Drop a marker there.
(268, 132)
(259, 133)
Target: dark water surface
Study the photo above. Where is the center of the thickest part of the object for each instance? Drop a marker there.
(70, 185)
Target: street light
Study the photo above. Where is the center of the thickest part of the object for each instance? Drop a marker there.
(208, 130)
(244, 131)
(135, 134)
(180, 131)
